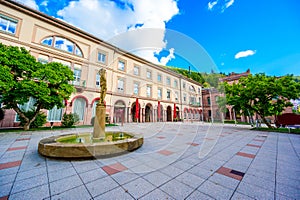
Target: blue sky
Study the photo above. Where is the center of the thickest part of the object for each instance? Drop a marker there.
(260, 35)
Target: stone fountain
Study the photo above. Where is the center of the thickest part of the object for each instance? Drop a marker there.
(90, 145)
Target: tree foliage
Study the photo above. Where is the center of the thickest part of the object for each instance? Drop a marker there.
(261, 94)
(22, 77)
(207, 80)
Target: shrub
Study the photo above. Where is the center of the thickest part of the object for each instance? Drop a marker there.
(229, 121)
(69, 120)
(39, 121)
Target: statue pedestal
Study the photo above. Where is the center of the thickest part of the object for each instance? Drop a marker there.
(99, 122)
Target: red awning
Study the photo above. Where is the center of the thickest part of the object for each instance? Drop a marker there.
(137, 109)
(174, 112)
(158, 110)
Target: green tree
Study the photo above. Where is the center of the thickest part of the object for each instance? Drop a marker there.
(22, 77)
(261, 94)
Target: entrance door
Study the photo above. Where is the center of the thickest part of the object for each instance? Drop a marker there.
(169, 113)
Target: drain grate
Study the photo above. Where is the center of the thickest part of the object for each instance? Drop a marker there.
(237, 173)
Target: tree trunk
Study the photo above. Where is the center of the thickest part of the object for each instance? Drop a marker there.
(26, 126)
(266, 122)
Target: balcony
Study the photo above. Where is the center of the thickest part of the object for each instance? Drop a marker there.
(195, 104)
(81, 83)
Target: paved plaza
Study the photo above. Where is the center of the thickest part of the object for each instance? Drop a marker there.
(177, 161)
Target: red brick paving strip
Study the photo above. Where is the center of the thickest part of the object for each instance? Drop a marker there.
(253, 145)
(16, 148)
(161, 137)
(21, 139)
(114, 168)
(10, 164)
(227, 172)
(4, 198)
(247, 155)
(165, 152)
(192, 144)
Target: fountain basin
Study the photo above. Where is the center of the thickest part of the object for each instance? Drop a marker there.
(59, 147)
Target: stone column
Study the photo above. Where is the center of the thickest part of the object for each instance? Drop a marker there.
(99, 123)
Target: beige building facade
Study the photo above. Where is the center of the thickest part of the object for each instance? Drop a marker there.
(161, 94)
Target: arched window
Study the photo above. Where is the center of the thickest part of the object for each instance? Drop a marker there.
(62, 44)
(79, 107)
(55, 114)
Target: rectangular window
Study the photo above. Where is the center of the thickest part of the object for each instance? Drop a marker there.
(121, 65)
(168, 80)
(8, 25)
(184, 97)
(120, 85)
(175, 84)
(208, 100)
(149, 91)
(43, 59)
(192, 100)
(168, 95)
(136, 87)
(77, 76)
(136, 70)
(101, 57)
(199, 90)
(149, 74)
(97, 80)
(159, 77)
(176, 96)
(183, 85)
(159, 93)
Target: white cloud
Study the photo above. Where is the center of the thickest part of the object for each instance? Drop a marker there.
(165, 60)
(106, 20)
(219, 5)
(44, 3)
(229, 3)
(29, 3)
(211, 4)
(246, 53)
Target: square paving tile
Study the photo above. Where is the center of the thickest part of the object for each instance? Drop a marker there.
(40, 192)
(157, 178)
(65, 184)
(75, 193)
(101, 186)
(117, 193)
(92, 175)
(177, 189)
(138, 187)
(196, 195)
(157, 194)
(216, 191)
(29, 183)
(114, 168)
(260, 193)
(190, 179)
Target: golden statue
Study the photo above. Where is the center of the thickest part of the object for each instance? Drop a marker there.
(102, 73)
